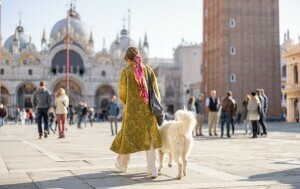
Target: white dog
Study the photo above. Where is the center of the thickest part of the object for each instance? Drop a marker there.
(177, 140)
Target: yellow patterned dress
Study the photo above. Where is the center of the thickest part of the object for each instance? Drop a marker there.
(138, 125)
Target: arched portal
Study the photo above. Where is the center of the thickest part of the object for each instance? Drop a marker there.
(4, 96)
(102, 98)
(59, 63)
(75, 92)
(24, 95)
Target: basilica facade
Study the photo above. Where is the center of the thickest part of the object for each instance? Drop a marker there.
(93, 74)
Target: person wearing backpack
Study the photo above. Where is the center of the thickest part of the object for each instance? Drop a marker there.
(41, 101)
(227, 111)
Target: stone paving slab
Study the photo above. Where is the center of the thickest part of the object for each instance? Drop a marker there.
(83, 160)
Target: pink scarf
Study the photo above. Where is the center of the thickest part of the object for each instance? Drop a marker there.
(139, 76)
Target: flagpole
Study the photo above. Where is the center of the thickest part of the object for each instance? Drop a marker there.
(0, 48)
(68, 54)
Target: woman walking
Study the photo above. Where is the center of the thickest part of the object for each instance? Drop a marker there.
(61, 103)
(139, 130)
(253, 114)
(245, 113)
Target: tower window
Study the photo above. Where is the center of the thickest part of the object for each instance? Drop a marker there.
(232, 23)
(2, 71)
(232, 78)
(30, 72)
(232, 50)
(206, 12)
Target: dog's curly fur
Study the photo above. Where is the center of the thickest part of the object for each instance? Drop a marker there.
(177, 140)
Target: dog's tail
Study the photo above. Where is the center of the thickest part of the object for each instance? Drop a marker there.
(189, 122)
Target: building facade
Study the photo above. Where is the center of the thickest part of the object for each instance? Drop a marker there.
(292, 89)
(283, 48)
(241, 49)
(94, 75)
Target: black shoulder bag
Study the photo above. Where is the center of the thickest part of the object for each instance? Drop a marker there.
(155, 106)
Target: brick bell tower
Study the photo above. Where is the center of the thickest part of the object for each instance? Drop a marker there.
(241, 50)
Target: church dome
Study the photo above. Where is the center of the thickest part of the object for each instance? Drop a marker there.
(24, 41)
(121, 44)
(77, 27)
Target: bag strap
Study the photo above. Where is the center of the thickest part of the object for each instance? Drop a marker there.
(226, 105)
(149, 76)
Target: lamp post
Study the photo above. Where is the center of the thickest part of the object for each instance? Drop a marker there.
(0, 50)
(68, 54)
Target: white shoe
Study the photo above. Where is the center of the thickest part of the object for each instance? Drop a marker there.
(121, 168)
(153, 175)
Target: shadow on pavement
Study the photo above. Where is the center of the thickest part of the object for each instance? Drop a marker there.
(290, 177)
(103, 179)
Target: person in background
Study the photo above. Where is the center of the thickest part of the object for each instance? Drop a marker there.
(262, 122)
(79, 114)
(61, 104)
(71, 115)
(84, 114)
(51, 116)
(245, 114)
(112, 113)
(233, 115)
(23, 116)
(3, 115)
(17, 115)
(41, 101)
(227, 111)
(213, 105)
(91, 114)
(30, 116)
(191, 108)
(253, 113)
(199, 115)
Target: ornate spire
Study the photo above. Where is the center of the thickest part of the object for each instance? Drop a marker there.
(72, 12)
(140, 44)
(288, 34)
(44, 38)
(146, 44)
(91, 40)
(117, 39)
(16, 35)
(20, 28)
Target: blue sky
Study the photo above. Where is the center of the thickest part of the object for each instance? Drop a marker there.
(165, 21)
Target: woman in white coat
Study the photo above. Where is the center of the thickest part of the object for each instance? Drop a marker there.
(253, 113)
(23, 116)
(62, 104)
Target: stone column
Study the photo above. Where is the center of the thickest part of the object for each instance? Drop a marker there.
(288, 111)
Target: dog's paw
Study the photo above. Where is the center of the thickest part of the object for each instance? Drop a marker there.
(184, 173)
(160, 168)
(179, 177)
(170, 165)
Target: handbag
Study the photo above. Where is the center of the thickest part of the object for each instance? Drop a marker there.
(155, 106)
